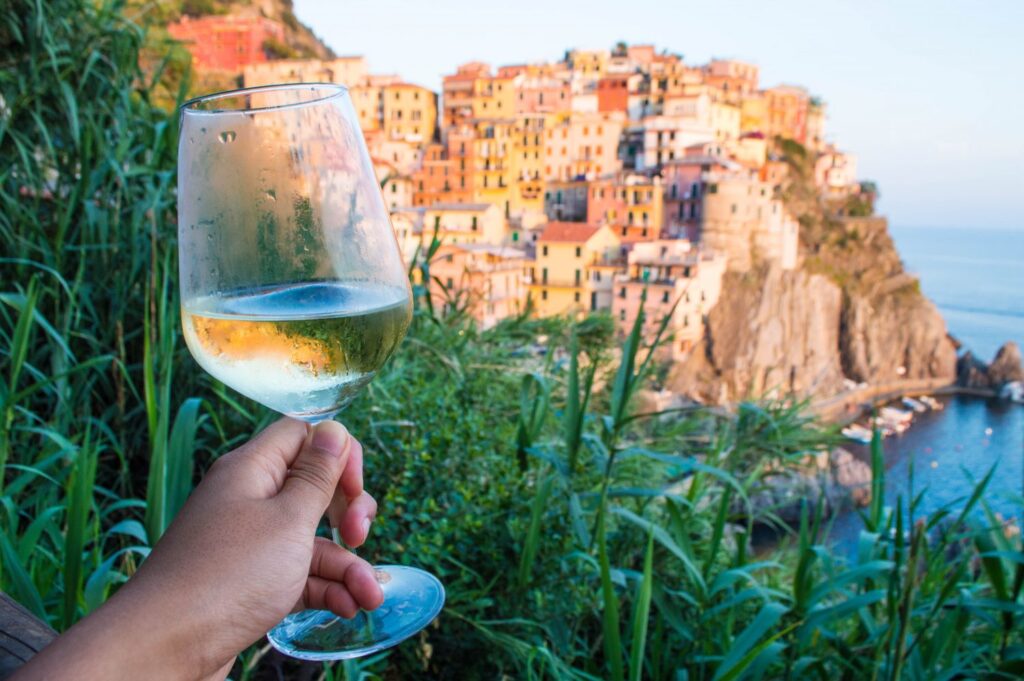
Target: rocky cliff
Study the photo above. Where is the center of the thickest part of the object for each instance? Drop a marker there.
(848, 310)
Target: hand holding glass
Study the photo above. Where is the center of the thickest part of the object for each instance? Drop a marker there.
(293, 292)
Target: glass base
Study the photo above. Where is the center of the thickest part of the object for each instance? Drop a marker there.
(412, 598)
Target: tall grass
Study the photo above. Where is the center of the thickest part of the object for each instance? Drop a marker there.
(578, 536)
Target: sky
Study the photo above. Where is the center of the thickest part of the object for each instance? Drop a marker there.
(928, 95)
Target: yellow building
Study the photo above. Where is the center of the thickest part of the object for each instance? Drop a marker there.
(350, 71)
(754, 113)
(589, 63)
(493, 97)
(493, 157)
(409, 112)
(366, 102)
(572, 271)
(528, 164)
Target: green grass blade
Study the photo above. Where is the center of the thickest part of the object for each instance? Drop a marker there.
(749, 643)
(642, 609)
(612, 636)
(77, 521)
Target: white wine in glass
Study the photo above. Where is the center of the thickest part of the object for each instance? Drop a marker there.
(293, 292)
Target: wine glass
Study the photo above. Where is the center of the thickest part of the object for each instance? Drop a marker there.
(293, 292)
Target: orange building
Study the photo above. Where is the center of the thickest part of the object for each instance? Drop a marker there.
(786, 108)
(439, 179)
(613, 93)
(459, 91)
(226, 42)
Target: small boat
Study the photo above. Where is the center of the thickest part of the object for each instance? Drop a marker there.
(894, 414)
(857, 433)
(930, 402)
(911, 403)
(1013, 391)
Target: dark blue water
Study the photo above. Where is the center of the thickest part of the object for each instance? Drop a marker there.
(976, 277)
(950, 451)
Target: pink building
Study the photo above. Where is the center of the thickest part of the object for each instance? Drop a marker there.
(487, 282)
(543, 95)
(683, 183)
(681, 282)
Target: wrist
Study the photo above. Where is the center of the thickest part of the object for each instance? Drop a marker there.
(131, 636)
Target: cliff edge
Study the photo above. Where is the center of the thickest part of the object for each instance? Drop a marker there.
(848, 310)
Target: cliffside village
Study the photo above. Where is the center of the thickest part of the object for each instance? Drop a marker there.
(576, 184)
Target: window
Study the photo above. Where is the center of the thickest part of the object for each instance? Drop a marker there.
(544, 276)
(623, 231)
(437, 220)
(576, 296)
(664, 297)
(578, 277)
(622, 292)
(544, 250)
(579, 251)
(474, 223)
(733, 209)
(448, 282)
(543, 294)
(686, 320)
(394, 187)
(622, 315)
(597, 275)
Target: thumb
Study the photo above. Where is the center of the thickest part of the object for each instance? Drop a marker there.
(315, 473)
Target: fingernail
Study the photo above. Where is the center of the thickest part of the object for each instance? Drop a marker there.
(329, 436)
(366, 527)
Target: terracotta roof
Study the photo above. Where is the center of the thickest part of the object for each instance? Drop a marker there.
(568, 231)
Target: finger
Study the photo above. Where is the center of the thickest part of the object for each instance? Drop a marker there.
(351, 485)
(352, 478)
(354, 524)
(323, 594)
(315, 472)
(274, 448)
(335, 564)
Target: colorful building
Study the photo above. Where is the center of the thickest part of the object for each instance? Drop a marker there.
(349, 71)
(465, 223)
(583, 146)
(786, 108)
(683, 184)
(632, 204)
(409, 112)
(486, 282)
(572, 268)
(459, 91)
(681, 283)
(743, 219)
(566, 200)
(227, 42)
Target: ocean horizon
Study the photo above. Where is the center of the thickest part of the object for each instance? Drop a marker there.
(975, 275)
